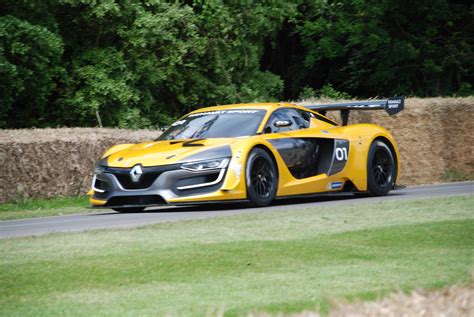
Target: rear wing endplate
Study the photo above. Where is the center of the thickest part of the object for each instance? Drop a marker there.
(391, 105)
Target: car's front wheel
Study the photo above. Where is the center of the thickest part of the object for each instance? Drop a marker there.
(261, 178)
(129, 209)
(381, 169)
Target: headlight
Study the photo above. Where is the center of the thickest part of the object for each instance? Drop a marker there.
(206, 165)
(99, 169)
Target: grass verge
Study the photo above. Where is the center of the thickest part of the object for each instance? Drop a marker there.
(32, 208)
(269, 261)
(452, 175)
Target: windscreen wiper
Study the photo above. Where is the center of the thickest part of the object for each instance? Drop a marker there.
(176, 142)
(192, 142)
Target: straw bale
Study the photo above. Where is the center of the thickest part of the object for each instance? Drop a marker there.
(455, 301)
(452, 301)
(44, 163)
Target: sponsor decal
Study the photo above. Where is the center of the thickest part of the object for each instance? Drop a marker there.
(180, 122)
(239, 111)
(335, 185)
(237, 168)
(365, 106)
(393, 104)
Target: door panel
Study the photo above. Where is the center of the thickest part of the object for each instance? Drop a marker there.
(307, 157)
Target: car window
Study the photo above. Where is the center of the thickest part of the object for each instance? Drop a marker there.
(297, 119)
(306, 115)
(301, 118)
(228, 123)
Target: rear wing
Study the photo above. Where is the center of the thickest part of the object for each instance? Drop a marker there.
(391, 105)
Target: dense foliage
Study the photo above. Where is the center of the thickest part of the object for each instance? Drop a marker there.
(139, 63)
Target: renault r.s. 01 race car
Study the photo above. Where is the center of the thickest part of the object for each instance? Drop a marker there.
(250, 152)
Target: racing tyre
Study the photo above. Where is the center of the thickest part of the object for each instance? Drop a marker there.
(261, 178)
(129, 209)
(381, 169)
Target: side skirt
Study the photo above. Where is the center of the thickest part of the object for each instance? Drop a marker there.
(208, 202)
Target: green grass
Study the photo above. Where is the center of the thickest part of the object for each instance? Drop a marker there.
(452, 175)
(270, 261)
(31, 208)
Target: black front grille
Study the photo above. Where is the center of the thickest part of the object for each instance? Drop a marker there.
(146, 180)
(150, 174)
(135, 201)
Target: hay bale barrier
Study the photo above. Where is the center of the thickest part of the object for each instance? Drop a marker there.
(435, 135)
(450, 301)
(45, 163)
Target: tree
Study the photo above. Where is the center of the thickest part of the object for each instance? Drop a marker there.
(391, 47)
(140, 64)
(29, 65)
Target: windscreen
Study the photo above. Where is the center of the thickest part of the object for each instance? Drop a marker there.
(215, 124)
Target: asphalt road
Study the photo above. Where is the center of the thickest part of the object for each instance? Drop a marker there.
(111, 219)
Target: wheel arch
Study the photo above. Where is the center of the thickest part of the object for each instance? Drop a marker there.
(272, 156)
(241, 151)
(394, 150)
(362, 137)
(254, 198)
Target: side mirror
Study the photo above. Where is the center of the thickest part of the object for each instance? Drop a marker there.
(163, 129)
(281, 123)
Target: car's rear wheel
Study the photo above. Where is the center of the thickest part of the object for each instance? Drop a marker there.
(381, 169)
(261, 178)
(129, 209)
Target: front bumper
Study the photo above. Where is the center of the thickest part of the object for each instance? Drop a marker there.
(158, 186)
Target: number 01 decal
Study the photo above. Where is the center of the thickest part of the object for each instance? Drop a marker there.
(341, 154)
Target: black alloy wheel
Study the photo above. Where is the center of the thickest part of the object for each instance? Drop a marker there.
(381, 169)
(261, 178)
(129, 209)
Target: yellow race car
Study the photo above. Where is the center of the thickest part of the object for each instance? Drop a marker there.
(251, 152)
